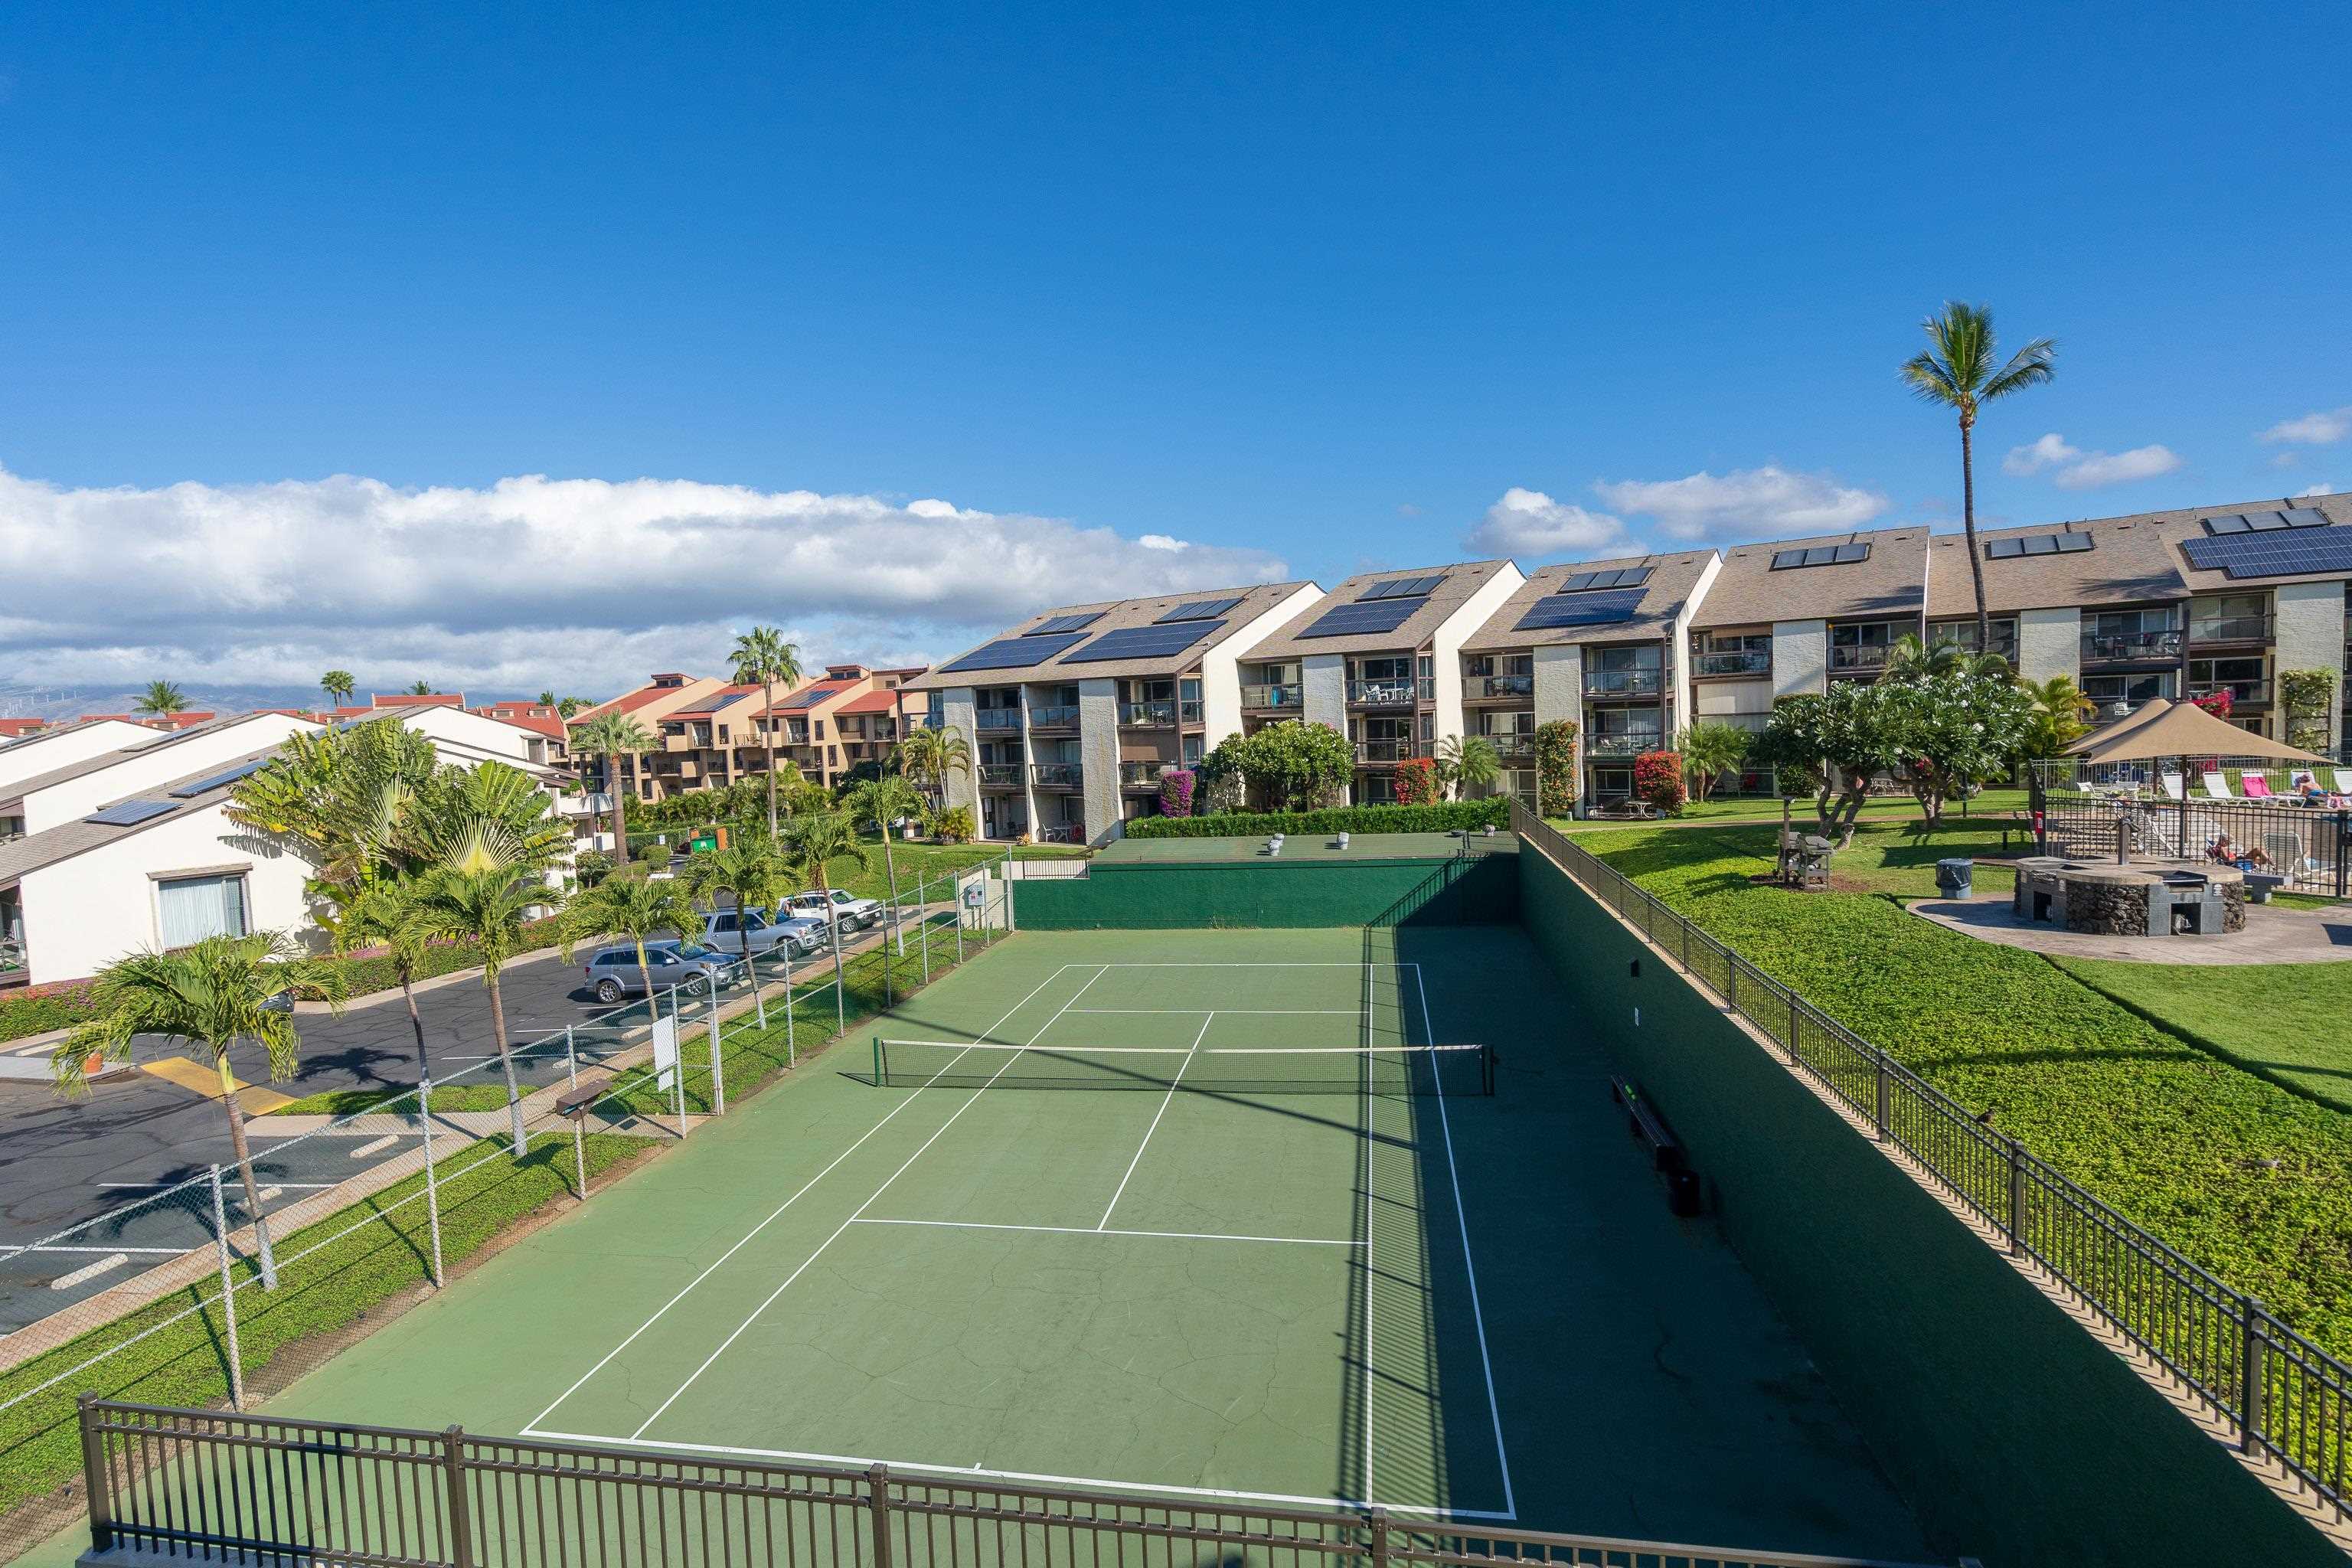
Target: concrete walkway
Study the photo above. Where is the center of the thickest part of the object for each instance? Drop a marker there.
(2273, 935)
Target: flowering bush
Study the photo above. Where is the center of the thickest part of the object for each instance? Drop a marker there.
(2218, 703)
(1417, 781)
(1556, 768)
(1176, 792)
(1658, 779)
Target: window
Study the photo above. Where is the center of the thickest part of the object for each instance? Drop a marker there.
(2130, 690)
(1644, 656)
(1383, 669)
(190, 909)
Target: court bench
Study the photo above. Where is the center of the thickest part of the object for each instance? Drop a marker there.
(1649, 1127)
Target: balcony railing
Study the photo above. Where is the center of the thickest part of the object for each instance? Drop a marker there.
(1187, 712)
(1625, 745)
(996, 719)
(1158, 714)
(1855, 657)
(1387, 751)
(999, 775)
(2229, 628)
(1141, 775)
(1514, 746)
(1058, 716)
(1267, 695)
(1388, 693)
(1059, 775)
(1623, 682)
(1745, 661)
(2242, 693)
(2129, 647)
(1485, 687)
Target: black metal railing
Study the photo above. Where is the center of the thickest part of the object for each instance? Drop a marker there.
(1629, 744)
(2130, 647)
(2311, 847)
(1399, 693)
(194, 1485)
(2229, 628)
(1623, 682)
(1742, 661)
(2283, 1395)
(1484, 687)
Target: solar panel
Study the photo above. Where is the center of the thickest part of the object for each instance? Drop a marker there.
(2072, 543)
(1349, 620)
(201, 787)
(1623, 577)
(2037, 544)
(1145, 642)
(2273, 553)
(1580, 609)
(1198, 610)
(1015, 653)
(1820, 555)
(1401, 588)
(1065, 624)
(131, 813)
(2266, 522)
(808, 698)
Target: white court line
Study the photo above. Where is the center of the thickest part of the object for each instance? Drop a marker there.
(780, 1208)
(1317, 963)
(1156, 1115)
(1196, 1011)
(1366, 1264)
(1075, 1230)
(1036, 1476)
(1461, 1221)
(709, 1359)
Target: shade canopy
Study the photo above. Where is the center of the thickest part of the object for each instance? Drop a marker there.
(2168, 729)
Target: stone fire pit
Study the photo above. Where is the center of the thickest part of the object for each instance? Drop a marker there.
(2119, 899)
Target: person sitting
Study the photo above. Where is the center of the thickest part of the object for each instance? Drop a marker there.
(2310, 792)
(2222, 850)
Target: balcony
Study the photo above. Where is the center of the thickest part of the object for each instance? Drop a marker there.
(1060, 716)
(2242, 693)
(1387, 751)
(1857, 658)
(1623, 682)
(1158, 714)
(2131, 647)
(1187, 712)
(1058, 776)
(2229, 628)
(1141, 775)
(996, 719)
(1512, 746)
(1498, 687)
(1388, 693)
(1261, 697)
(998, 775)
(1631, 744)
(1745, 661)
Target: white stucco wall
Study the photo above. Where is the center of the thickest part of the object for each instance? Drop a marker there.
(1221, 682)
(82, 913)
(146, 769)
(54, 748)
(1445, 643)
(2049, 643)
(472, 736)
(1323, 690)
(1679, 655)
(1098, 754)
(2310, 636)
(1559, 683)
(1800, 657)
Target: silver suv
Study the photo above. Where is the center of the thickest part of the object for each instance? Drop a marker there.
(613, 973)
(751, 932)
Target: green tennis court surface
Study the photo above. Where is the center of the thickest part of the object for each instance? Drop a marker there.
(1316, 1279)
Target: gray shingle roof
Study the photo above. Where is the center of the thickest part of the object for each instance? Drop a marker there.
(1672, 578)
(1460, 580)
(1893, 582)
(89, 765)
(1116, 615)
(38, 852)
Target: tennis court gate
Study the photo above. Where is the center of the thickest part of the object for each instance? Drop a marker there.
(212, 1487)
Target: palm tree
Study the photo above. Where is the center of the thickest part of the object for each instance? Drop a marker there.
(422, 688)
(391, 912)
(752, 871)
(611, 737)
(489, 817)
(1711, 748)
(1465, 762)
(162, 699)
(341, 799)
(339, 685)
(210, 996)
(1908, 659)
(1958, 374)
(763, 657)
(489, 909)
(928, 756)
(816, 839)
(637, 908)
(882, 802)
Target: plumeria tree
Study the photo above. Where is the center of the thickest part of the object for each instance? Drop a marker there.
(1949, 734)
(1828, 746)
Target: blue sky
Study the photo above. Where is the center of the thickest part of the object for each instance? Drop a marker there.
(1320, 285)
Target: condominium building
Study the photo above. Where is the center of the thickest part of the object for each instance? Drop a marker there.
(61, 745)
(1598, 643)
(639, 777)
(826, 728)
(1378, 659)
(1073, 715)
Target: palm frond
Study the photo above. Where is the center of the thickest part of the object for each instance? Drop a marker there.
(2029, 366)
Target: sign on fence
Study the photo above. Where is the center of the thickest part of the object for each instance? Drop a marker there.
(666, 1053)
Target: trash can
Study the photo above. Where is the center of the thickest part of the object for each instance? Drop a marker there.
(1956, 878)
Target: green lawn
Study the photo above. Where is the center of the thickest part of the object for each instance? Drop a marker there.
(2292, 1023)
(1991, 803)
(2161, 1126)
(1894, 857)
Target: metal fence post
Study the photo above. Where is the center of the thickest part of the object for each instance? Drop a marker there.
(94, 1481)
(923, 930)
(1731, 982)
(955, 897)
(2250, 1362)
(760, 998)
(718, 1067)
(1885, 1096)
(678, 1073)
(461, 1513)
(2016, 1197)
(877, 1503)
(432, 1178)
(1380, 1534)
(578, 1138)
(228, 1297)
(895, 932)
(789, 1054)
(1793, 1027)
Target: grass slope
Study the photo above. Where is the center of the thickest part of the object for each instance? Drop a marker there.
(2291, 1023)
(2165, 1132)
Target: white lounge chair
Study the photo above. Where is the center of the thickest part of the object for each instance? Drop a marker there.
(2217, 787)
(2344, 780)
(2173, 788)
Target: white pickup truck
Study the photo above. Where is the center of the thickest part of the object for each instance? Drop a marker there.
(832, 904)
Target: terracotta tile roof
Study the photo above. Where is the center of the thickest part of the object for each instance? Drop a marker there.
(879, 701)
(419, 700)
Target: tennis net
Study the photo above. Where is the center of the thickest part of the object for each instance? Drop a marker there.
(1454, 1069)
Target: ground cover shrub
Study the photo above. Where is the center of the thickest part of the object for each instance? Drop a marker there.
(1446, 816)
(2242, 1176)
(37, 1009)
(2290, 1023)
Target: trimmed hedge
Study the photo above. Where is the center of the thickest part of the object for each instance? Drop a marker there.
(40, 1009)
(1447, 817)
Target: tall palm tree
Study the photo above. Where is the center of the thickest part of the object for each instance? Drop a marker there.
(341, 799)
(422, 688)
(339, 685)
(488, 816)
(882, 802)
(1958, 373)
(162, 699)
(391, 912)
(489, 909)
(816, 839)
(752, 871)
(1467, 761)
(637, 908)
(209, 996)
(611, 737)
(763, 657)
(928, 756)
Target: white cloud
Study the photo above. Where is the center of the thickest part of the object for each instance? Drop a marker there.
(2077, 469)
(1529, 523)
(583, 584)
(2047, 453)
(2323, 428)
(1746, 503)
(2325, 490)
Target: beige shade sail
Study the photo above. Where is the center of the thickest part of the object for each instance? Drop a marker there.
(2180, 730)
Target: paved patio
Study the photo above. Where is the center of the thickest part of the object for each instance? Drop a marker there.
(2273, 935)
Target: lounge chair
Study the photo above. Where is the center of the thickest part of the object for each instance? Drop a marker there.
(2173, 788)
(2256, 786)
(2290, 858)
(2344, 780)
(2217, 786)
